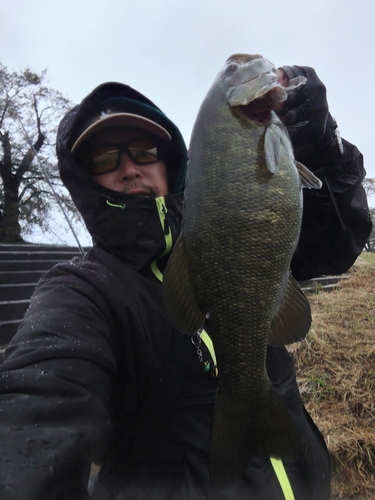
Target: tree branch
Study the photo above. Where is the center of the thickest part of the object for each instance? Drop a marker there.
(30, 154)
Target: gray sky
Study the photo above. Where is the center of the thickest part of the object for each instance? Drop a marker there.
(171, 50)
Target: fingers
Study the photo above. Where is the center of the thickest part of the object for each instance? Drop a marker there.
(306, 110)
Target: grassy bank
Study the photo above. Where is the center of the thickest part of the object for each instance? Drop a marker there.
(336, 375)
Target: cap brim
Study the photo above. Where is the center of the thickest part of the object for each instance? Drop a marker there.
(125, 119)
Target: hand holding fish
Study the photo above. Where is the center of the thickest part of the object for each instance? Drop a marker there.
(305, 113)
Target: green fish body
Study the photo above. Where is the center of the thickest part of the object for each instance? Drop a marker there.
(241, 224)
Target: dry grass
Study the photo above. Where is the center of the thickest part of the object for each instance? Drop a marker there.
(336, 375)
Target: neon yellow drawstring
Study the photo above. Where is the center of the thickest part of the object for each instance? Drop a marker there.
(282, 477)
(162, 210)
(206, 339)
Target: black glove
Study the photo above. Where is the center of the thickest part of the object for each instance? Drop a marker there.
(310, 125)
(336, 221)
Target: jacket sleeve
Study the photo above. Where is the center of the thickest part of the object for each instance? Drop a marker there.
(336, 219)
(55, 387)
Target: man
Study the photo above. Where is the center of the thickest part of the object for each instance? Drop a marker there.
(96, 373)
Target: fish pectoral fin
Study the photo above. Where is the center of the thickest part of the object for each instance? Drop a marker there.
(179, 300)
(276, 144)
(308, 179)
(272, 149)
(293, 318)
(240, 431)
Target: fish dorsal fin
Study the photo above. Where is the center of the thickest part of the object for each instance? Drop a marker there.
(308, 179)
(293, 318)
(179, 300)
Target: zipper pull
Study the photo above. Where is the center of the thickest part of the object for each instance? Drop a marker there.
(166, 225)
(110, 201)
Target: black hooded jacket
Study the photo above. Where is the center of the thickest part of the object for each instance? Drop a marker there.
(97, 374)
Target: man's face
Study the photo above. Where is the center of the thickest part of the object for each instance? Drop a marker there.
(131, 177)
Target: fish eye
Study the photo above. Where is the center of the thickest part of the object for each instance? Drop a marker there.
(231, 68)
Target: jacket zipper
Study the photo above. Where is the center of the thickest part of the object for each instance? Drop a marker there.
(162, 211)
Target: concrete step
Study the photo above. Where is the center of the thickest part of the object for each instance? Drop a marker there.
(7, 330)
(323, 283)
(21, 267)
(13, 309)
(37, 255)
(28, 247)
(17, 291)
(20, 277)
(27, 265)
(11, 315)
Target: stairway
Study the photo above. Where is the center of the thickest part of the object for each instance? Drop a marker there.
(21, 266)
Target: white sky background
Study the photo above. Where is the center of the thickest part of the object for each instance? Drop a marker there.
(171, 50)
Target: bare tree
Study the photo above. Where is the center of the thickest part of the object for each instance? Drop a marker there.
(369, 185)
(29, 114)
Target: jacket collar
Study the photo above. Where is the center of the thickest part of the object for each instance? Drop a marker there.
(140, 231)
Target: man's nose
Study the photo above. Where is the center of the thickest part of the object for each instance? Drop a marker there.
(127, 168)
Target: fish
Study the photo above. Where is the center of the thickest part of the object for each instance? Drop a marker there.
(230, 268)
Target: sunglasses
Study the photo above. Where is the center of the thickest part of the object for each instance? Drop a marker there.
(106, 158)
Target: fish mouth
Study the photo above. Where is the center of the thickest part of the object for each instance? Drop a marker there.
(260, 109)
(257, 111)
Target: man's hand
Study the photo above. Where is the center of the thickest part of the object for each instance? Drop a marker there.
(306, 113)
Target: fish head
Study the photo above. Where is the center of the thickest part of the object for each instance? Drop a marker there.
(251, 84)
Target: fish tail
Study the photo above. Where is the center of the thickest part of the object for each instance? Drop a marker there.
(239, 431)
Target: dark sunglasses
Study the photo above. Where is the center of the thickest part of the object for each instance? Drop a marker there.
(106, 158)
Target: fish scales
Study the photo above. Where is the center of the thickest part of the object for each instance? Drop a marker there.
(229, 183)
(241, 224)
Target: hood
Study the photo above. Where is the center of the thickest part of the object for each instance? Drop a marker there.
(134, 228)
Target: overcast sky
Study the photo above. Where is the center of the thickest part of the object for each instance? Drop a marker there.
(171, 50)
